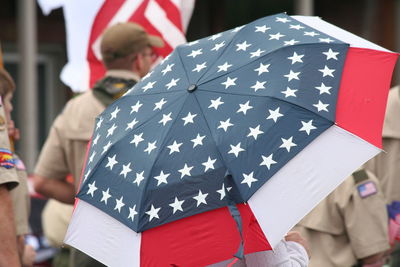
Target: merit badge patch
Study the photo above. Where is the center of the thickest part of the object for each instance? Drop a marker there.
(6, 159)
(367, 189)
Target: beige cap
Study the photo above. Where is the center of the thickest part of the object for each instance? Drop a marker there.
(123, 39)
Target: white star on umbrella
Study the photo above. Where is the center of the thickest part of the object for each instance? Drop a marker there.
(284, 20)
(189, 118)
(174, 147)
(225, 124)
(166, 118)
(176, 205)
(236, 150)
(224, 67)
(330, 54)
(242, 46)
(153, 213)
(167, 69)
(292, 75)
(215, 103)
(185, 171)
(150, 147)
(214, 37)
(255, 132)
(137, 138)
(99, 122)
(262, 28)
(321, 106)
(131, 124)
(218, 46)
(132, 213)
(148, 86)
(267, 161)
(111, 162)
(296, 58)
(209, 164)
(114, 113)
(249, 179)
(198, 141)
(139, 177)
(258, 86)
(106, 196)
(222, 192)
(172, 83)
(296, 27)
(160, 104)
(92, 156)
(289, 92)
(262, 68)
(276, 36)
(201, 198)
(325, 40)
(136, 107)
(199, 67)
(162, 178)
(229, 82)
(274, 114)
(307, 126)
(312, 34)
(291, 42)
(244, 107)
(119, 204)
(106, 147)
(287, 143)
(92, 188)
(195, 53)
(327, 71)
(256, 53)
(126, 169)
(111, 130)
(96, 139)
(323, 89)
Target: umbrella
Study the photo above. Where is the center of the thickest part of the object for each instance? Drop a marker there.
(275, 114)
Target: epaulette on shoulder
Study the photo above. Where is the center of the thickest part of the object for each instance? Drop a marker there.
(359, 176)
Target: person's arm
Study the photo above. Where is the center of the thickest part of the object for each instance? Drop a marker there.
(60, 190)
(8, 244)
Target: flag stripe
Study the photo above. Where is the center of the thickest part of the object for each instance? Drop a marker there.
(320, 173)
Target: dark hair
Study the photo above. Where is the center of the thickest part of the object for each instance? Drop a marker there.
(7, 84)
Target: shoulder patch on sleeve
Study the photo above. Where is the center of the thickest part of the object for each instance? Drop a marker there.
(367, 189)
(360, 176)
(6, 159)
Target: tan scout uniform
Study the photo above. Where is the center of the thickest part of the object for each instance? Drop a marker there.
(64, 152)
(7, 176)
(21, 200)
(347, 225)
(386, 166)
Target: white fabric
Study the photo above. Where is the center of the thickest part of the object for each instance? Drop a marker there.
(102, 237)
(338, 33)
(285, 254)
(306, 179)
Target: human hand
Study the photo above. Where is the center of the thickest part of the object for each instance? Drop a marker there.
(296, 237)
(29, 256)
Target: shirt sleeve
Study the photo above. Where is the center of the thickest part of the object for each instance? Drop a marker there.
(52, 161)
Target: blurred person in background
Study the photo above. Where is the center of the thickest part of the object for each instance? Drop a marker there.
(127, 54)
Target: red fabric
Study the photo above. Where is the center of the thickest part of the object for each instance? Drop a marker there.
(105, 15)
(363, 93)
(201, 239)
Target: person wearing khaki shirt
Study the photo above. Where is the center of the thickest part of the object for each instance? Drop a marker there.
(386, 165)
(349, 226)
(127, 54)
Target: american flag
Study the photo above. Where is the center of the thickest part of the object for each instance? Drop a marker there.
(86, 21)
(213, 122)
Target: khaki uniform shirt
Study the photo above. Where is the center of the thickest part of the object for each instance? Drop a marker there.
(21, 200)
(386, 165)
(65, 149)
(7, 176)
(346, 227)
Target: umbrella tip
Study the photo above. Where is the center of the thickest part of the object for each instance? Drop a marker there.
(192, 88)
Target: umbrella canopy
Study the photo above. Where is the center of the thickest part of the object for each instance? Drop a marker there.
(246, 115)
